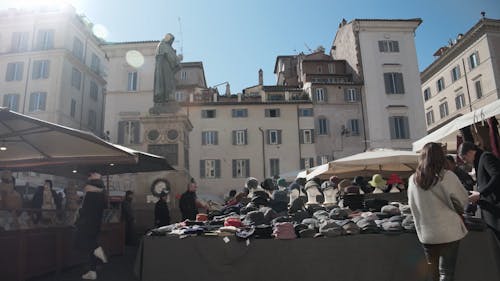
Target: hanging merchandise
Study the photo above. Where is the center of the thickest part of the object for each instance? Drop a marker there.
(494, 137)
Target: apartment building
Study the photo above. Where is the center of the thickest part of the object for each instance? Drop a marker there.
(52, 67)
(381, 55)
(465, 75)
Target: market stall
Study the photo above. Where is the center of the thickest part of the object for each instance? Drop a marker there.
(361, 257)
(381, 161)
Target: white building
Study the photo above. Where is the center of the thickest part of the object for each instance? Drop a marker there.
(382, 55)
(465, 75)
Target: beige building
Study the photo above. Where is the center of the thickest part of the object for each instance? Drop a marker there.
(51, 67)
(381, 55)
(465, 75)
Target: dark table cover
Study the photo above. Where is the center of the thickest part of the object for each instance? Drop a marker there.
(369, 257)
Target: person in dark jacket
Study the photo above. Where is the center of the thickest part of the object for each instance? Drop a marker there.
(162, 214)
(88, 224)
(128, 218)
(467, 181)
(487, 195)
(188, 203)
(46, 198)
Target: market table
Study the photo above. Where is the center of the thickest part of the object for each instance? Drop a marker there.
(370, 257)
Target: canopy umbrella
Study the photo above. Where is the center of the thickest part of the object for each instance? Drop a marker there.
(146, 162)
(383, 161)
(448, 133)
(29, 142)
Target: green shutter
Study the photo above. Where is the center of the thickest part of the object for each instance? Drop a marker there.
(234, 168)
(301, 136)
(279, 136)
(217, 168)
(234, 137)
(247, 168)
(121, 131)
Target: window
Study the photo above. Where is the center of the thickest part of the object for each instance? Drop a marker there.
(92, 120)
(77, 48)
(388, 46)
(208, 113)
(351, 95)
(128, 132)
(429, 116)
(394, 83)
(399, 127)
(184, 75)
(95, 63)
(306, 163)
(353, 126)
(45, 40)
(179, 96)
(320, 69)
(241, 168)
(460, 101)
(455, 73)
(37, 101)
(274, 167)
(273, 136)
(76, 78)
(94, 90)
(306, 112)
(440, 84)
(322, 126)
(427, 94)
(11, 101)
(479, 89)
(40, 69)
(443, 109)
(240, 137)
(323, 159)
(239, 113)
(19, 42)
(320, 95)
(72, 111)
(331, 68)
(132, 81)
(273, 112)
(14, 71)
(209, 138)
(306, 136)
(210, 168)
(473, 60)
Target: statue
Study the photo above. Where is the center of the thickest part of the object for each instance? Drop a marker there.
(167, 65)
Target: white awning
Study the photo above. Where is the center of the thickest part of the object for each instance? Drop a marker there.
(447, 134)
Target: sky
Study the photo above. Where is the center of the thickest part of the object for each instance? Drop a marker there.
(236, 38)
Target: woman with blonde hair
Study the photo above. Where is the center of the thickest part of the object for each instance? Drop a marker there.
(435, 196)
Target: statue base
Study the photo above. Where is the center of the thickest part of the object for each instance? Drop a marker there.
(165, 107)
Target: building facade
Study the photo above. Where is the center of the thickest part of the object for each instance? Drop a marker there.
(52, 67)
(465, 75)
(381, 55)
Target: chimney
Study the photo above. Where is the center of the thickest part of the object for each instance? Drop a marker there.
(228, 90)
(261, 77)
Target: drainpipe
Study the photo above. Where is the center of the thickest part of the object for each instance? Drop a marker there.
(298, 129)
(467, 85)
(363, 118)
(263, 154)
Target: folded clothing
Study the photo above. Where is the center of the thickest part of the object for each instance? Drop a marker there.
(339, 214)
(321, 215)
(367, 226)
(233, 221)
(390, 209)
(263, 232)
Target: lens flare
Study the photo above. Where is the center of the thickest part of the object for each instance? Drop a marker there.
(100, 31)
(134, 58)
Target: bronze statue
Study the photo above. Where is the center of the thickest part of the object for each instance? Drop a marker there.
(167, 64)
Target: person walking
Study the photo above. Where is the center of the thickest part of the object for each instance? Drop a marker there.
(128, 218)
(431, 192)
(88, 224)
(487, 196)
(162, 214)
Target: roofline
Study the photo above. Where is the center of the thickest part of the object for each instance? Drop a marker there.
(477, 30)
(131, 42)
